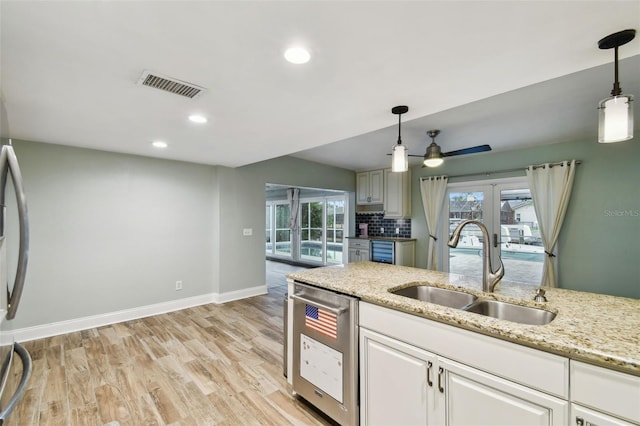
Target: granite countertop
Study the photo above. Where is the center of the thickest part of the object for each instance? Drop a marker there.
(594, 328)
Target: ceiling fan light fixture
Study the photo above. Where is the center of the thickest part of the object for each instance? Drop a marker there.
(615, 116)
(433, 156)
(400, 154)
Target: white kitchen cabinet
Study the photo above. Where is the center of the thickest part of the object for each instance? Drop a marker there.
(358, 250)
(397, 194)
(473, 397)
(394, 382)
(402, 384)
(453, 376)
(370, 187)
(600, 393)
(583, 416)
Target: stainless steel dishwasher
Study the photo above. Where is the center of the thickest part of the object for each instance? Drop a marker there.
(325, 351)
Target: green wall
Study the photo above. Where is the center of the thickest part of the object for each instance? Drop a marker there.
(111, 232)
(599, 245)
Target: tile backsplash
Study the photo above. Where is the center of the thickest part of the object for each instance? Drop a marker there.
(376, 221)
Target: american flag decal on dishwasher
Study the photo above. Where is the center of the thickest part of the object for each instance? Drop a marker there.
(321, 321)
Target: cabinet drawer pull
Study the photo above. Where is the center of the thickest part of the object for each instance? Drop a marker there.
(440, 372)
(429, 365)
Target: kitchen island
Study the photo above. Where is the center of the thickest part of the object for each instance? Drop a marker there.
(594, 328)
(588, 330)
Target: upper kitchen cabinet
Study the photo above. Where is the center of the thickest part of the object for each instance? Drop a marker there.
(397, 194)
(371, 187)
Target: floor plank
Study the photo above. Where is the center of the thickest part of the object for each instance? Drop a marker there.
(207, 365)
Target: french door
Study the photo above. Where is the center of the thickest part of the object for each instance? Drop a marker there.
(277, 232)
(505, 207)
(321, 238)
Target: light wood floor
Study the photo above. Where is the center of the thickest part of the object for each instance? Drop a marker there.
(212, 364)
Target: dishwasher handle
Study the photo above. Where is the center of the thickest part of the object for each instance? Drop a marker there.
(332, 309)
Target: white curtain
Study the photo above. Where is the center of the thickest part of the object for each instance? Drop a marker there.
(293, 195)
(550, 189)
(433, 190)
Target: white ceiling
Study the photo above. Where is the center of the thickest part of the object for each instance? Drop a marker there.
(69, 71)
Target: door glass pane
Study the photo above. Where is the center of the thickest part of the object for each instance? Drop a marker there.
(335, 230)
(466, 258)
(283, 233)
(267, 231)
(521, 247)
(311, 231)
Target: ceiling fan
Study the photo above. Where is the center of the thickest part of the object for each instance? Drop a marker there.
(435, 157)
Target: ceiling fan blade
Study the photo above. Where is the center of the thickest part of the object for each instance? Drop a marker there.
(464, 151)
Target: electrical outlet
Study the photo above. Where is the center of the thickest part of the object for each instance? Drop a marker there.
(382, 230)
(397, 230)
(178, 285)
(247, 232)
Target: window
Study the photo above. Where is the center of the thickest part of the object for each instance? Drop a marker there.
(505, 207)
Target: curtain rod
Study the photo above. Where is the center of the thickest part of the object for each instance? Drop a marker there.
(502, 171)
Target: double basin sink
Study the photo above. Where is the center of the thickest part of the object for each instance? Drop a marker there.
(471, 303)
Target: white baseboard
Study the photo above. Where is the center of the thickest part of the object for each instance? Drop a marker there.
(85, 323)
(240, 294)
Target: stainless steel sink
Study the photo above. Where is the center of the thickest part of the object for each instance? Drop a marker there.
(439, 296)
(510, 312)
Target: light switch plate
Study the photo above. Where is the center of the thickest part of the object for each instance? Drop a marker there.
(247, 232)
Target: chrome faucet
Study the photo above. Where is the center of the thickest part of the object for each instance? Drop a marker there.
(489, 278)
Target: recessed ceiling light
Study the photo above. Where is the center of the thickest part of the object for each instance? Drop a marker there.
(196, 118)
(159, 144)
(297, 55)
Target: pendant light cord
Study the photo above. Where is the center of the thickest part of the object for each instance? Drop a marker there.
(399, 128)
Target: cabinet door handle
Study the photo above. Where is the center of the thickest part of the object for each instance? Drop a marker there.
(579, 421)
(429, 365)
(440, 373)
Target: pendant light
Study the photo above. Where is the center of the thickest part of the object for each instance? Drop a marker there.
(615, 122)
(400, 155)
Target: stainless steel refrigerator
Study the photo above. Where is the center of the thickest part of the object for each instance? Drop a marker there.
(16, 362)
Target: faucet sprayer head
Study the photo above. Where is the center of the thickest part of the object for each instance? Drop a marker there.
(453, 242)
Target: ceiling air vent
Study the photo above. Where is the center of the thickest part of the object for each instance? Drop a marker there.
(169, 84)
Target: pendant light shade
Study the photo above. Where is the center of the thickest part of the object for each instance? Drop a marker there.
(400, 158)
(615, 123)
(400, 154)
